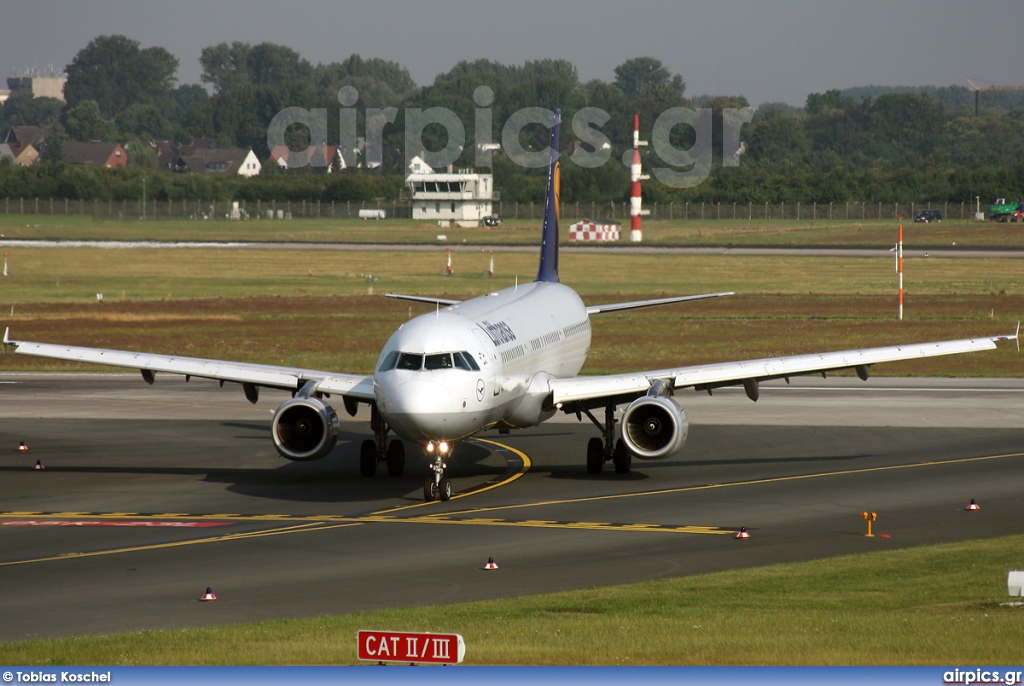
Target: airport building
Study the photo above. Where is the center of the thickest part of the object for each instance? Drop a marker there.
(50, 85)
(462, 198)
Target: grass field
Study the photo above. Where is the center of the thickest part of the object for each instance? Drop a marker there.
(679, 232)
(921, 606)
(312, 308)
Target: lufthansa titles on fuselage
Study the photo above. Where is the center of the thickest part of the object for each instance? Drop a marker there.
(500, 333)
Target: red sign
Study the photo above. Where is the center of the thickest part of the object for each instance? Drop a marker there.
(400, 646)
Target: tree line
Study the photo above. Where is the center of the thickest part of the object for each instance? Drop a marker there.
(840, 146)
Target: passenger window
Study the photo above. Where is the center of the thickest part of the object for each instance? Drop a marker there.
(389, 362)
(410, 361)
(439, 361)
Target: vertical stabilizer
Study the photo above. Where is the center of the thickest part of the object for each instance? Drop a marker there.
(549, 239)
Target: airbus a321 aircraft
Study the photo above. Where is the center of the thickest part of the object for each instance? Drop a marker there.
(505, 360)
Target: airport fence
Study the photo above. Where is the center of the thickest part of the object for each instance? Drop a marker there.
(572, 211)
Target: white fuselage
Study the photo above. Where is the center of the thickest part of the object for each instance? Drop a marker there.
(427, 388)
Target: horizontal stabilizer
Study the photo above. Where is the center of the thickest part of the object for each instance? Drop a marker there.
(636, 304)
(424, 299)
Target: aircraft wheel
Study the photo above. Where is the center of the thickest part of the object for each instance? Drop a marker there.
(396, 458)
(445, 488)
(368, 458)
(429, 490)
(622, 458)
(595, 456)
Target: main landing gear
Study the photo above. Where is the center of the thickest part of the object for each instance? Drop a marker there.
(437, 486)
(376, 450)
(607, 449)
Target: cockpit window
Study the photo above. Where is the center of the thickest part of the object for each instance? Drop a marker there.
(389, 362)
(410, 361)
(438, 361)
(465, 361)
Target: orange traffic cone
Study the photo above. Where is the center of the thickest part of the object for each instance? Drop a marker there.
(490, 564)
(39, 466)
(973, 506)
(22, 448)
(742, 533)
(208, 596)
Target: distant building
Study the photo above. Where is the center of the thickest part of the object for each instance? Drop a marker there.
(218, 161)
(464, 198)
(418, 166)
(97, 154)
(36, 136)
(328, 155)
(23, 157)
(49, 86)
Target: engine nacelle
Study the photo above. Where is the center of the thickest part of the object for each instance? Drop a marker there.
(654, 428)
(305, 429)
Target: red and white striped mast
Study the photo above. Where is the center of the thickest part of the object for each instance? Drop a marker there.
(899, 267)
(635, 201)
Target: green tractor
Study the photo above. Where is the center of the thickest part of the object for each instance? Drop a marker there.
(1002, 211)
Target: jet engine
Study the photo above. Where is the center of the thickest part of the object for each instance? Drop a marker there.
(305, 428)
(654, 427)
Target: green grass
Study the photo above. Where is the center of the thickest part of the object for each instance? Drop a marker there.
(919, 606)
(524, 231)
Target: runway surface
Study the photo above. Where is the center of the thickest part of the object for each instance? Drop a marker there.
(152, 494)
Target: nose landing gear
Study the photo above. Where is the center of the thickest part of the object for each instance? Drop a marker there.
(437, 486)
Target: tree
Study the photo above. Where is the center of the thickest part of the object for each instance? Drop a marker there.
(85, 122)
(115, 73)
(226, 66)
(24, 110)
(636, 76)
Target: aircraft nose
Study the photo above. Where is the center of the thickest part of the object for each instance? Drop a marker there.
(413, 408)
(420, 397)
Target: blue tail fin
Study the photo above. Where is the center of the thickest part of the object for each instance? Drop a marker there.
(549, 238)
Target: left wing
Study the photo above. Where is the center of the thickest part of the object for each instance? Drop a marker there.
(355, 386)
(592, 391)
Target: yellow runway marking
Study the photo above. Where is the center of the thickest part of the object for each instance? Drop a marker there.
(734, 484)
(302, 528)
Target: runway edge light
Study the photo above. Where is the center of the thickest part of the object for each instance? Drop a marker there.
(208, 596)
(39, 466)
(973, 506)
(22, 448)
(490, 564)
(742, 534)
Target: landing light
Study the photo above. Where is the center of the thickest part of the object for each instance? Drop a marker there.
(443, 447)
(430, 447)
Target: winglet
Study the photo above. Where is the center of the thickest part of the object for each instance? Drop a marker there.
(548, 270)
(7, 340)
(1015, 336)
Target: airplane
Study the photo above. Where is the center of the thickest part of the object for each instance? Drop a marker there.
(505, 360)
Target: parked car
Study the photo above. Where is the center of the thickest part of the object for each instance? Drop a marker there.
(491, 220)
(927, 216)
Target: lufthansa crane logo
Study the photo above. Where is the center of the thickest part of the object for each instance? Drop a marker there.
(480, 387)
